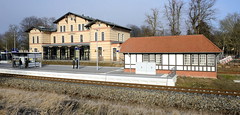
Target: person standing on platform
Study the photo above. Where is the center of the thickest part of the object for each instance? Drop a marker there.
(14, 63)
(73, 63)
(76, 63)
(20, 63)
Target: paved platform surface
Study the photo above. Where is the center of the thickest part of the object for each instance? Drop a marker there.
(82, 70)
(108, 74)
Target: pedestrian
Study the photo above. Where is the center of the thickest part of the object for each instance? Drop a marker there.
(26, 63)
(14, 63)
(20, 63)
(73, 63)
(76, 63)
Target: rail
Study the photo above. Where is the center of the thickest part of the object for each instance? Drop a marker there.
(131, 85)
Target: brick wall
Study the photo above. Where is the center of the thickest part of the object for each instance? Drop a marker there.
(199, 74)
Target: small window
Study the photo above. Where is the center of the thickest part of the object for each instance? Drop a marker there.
(72, 38)
(187, 59)
(158, 59)
(81, 38)
(96, 39)
(64, 29)
(152, 58)
(71, 28)
(33, 40)
(37, 39)
(61, 29)
(54, 39)
(62, 39)
(118, 36)
(210, 59)
(79, 27)
(202, 59)
(102, 36)
(82, 27)
(145, 57)
(194, 59)
(122, 37)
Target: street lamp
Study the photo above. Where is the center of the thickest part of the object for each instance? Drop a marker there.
(96, 37)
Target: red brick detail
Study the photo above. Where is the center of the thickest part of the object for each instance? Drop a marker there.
(200, 74)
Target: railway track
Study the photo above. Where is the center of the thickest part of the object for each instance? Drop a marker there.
(131, 85)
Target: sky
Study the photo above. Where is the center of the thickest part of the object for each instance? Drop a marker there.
(122, 12)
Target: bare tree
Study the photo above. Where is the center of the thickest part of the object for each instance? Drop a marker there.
(33, 21)
(201, 12)
(11, 37)
(173, 13)
(153, 22)
(230, 33)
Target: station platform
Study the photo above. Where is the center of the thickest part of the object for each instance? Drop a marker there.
(108, 74)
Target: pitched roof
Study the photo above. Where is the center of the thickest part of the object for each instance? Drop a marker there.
(92, 20)
(41, 28)
(170, 44)
(108, 23)
(70, 13)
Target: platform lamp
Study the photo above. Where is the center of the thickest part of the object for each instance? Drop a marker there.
(96, 38)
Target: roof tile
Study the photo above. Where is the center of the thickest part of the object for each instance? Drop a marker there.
(170, 44)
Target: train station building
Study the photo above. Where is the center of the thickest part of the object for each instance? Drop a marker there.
(189, 55)
(79, 36)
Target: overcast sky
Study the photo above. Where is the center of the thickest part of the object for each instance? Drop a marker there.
(122, 12)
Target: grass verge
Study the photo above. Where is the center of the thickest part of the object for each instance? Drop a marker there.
(224, 82)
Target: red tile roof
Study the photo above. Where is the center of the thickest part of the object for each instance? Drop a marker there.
(170, 44)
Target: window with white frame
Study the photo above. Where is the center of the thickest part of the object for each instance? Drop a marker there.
(81, 38)
(82, 27)
(64, 29)
(118, 36)
(71, 28)
(210, 59)
(158, 59)
(194, 59)
(122, 37)
(103, 36)
(60, 28)
(187, 59)
(96, 35)
(151, 58)
(37, 39)
(145, 57)
(79, 27)
(202, 59)
(33, 39)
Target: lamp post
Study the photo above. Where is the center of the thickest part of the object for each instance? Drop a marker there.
(14, 46)
(96, 38)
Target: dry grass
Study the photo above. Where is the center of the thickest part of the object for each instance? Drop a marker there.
(25, 102)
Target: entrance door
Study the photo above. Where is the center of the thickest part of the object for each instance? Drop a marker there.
(114, 54)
